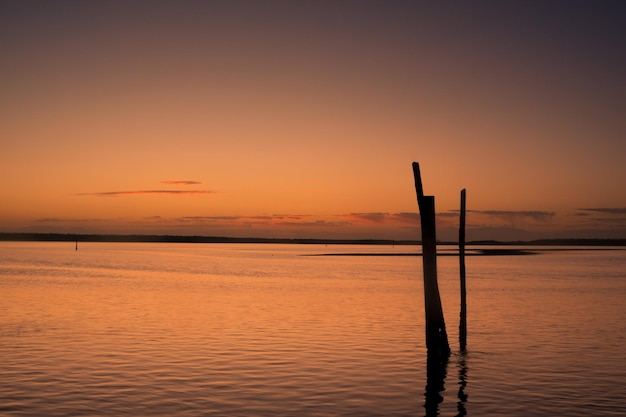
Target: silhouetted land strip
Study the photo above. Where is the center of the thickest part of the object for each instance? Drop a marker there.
(63, 237)
(478, 252)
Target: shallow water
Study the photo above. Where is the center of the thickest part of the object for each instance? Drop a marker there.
(254, 330)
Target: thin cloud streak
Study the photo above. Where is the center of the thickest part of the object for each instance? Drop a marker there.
(616, 221)
(181, 182)
(607, 210)
(370, 217)
(402, 217)
(282, 220)
(540, 216)
(67, 220)
(144, 192)
(407, 217)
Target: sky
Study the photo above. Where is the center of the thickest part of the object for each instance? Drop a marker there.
(301, 119)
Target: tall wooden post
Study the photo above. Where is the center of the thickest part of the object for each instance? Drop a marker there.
(436, 335)
(463, 314)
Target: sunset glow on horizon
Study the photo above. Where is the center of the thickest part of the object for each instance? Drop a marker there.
(301, 119)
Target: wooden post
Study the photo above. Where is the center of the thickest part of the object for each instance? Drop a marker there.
(436, 335)
(463, 314)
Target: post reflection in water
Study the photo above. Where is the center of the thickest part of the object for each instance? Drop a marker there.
(436, 372)
(436, 369)
(460, 405)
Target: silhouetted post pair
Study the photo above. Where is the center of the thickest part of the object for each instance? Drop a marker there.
(436, 335)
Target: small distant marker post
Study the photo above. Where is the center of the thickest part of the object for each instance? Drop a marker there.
(463, 313)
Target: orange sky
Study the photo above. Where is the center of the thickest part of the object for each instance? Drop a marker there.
(301, 119)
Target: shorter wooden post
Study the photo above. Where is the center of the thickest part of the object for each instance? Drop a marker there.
(463, 314)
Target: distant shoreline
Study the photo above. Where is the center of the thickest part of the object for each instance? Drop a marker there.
(480, 252)
(63, 237)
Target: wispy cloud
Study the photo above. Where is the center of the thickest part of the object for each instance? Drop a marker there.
(265, 219)
(66, 220)
(603, 217)
(402, 217)
(407, 217)
(453, 214)
(144, 192)
(206, 219)
(181, 182)
(606, 210)
(540, 216)
(620, 221)
(370, 217)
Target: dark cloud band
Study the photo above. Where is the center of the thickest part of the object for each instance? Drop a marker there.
(181, 182)
(143, 192)
(607, 210)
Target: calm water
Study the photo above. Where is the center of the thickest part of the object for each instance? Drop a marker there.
(258, 330)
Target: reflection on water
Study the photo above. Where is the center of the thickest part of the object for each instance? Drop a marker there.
(460, 405)
(436, 373)
(436, 369)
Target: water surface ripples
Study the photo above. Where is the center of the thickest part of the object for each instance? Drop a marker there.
(258, 330)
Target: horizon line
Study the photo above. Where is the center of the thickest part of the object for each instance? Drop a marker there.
(148, 238)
